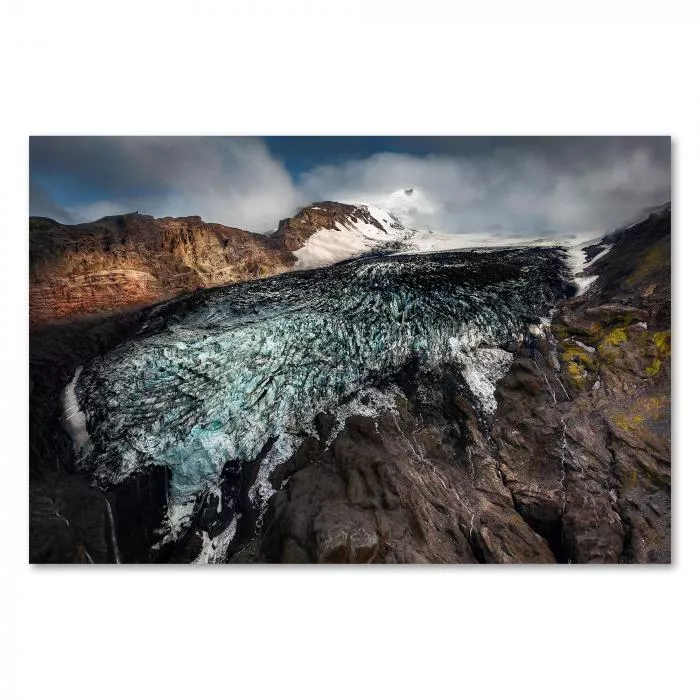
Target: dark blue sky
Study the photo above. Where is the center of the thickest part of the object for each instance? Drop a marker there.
(66, 167)
(302, 153)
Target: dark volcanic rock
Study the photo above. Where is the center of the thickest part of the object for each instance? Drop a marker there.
(68, 517)
(411, 487)
(68, 522)
(573, 465)
(587, 455)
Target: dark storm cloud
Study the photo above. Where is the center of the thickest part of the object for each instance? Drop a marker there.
(42, 204)
(228, 180)
(517, 184)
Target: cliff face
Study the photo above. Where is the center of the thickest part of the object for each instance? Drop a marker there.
(572, 464)
(614, 349)
(292, 233)
(135, 260)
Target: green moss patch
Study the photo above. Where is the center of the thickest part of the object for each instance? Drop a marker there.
(574, 353)
(616, 337)
(580, 364)
(628, 422)
(654, 368)
(654, 260)
(662, 340)
(644, 408)
(559, 332)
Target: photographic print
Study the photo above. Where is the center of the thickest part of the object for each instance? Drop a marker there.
(350, 349)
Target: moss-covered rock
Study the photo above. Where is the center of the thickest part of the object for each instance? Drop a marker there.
(654, 368)
(662, 341)
(581, 365)
(616, 337)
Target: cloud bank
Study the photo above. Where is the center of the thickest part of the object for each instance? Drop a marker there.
(551, 186)
(233, 181)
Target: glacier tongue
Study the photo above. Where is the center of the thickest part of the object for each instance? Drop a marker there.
(216, 375)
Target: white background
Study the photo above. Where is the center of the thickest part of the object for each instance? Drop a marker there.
(347, 68)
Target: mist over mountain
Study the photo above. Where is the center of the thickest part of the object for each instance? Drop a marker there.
(566, 185)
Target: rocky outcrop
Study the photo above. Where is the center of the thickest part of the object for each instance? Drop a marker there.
(69, 518)
(572, 466)
(418, 485)
(132, 260)
(291, 234)
(82, 295)
(614, 347)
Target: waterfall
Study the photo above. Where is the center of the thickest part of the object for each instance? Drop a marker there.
(113, 532)
(562, 476)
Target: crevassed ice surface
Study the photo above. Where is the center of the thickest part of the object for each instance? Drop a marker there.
(213, 376)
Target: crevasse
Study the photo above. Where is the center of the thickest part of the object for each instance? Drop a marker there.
(214, 376)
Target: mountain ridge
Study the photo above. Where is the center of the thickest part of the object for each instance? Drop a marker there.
(573, 465)
(131, 260)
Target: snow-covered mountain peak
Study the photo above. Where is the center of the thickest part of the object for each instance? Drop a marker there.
(326, 233)
(410, 205)
(365, 229)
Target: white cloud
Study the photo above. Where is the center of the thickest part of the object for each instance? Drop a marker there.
(509, 190)
(561, 186)
(232, 181)
(96, 210)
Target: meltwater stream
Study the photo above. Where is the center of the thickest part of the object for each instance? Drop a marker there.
(215, 375)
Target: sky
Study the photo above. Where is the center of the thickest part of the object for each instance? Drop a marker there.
(516, 185)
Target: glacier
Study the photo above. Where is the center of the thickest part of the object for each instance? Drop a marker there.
(223, 373)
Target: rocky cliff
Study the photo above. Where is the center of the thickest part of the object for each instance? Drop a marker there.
(122, 262)
(292, 233)
(574, 466)
(568, 461)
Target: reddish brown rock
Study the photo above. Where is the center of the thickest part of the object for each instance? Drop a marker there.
(292, 233)
(133, 260)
